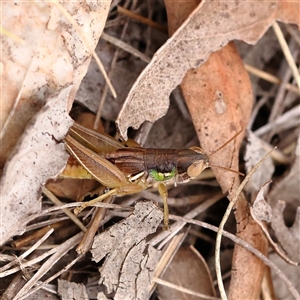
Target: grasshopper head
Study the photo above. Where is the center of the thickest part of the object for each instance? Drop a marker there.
(191, 162)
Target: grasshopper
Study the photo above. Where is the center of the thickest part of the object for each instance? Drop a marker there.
(127, 170)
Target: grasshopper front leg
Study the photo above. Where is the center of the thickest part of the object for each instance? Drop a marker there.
(162, 189)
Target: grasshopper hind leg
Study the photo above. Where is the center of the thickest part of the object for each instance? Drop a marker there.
(162, 189)
(79, 209)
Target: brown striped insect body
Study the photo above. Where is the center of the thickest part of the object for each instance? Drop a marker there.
(128, 170)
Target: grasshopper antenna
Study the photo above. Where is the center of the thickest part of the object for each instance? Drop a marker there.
(218, 149)
(227, 169)
(230, 140)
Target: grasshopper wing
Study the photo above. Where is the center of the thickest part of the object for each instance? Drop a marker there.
(99, 143)
(100, 168)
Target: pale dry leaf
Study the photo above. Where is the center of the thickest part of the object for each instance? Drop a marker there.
(95, 292)
(40, 155)
(209, 28)
(255, 151)
(137, 271)
(188, 270)
(51, 71)
(119, 241)
(101, 296)
(261, 209)
(71, 290)
(288, 188)
(289, 238)
(292, 272)
(53, 56)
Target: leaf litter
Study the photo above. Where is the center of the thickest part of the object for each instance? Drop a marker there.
(128, 254)
(224, 89)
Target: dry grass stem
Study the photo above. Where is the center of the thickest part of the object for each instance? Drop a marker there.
(57, 202)
(271, 78)
(141, 19)
(287, 52)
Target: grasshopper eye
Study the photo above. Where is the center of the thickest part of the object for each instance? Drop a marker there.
(196, 168)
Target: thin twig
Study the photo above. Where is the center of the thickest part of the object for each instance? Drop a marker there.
(182, 289)
(269, 77)
(69, 205)
(61, 250)
(126, 47)
(286, 52)
(12, 36)
(42, 284)
(167, 257)
(223, 221)
(287, 120)
(105, 90)
(57, 202)
(141, 19)
(30, 250)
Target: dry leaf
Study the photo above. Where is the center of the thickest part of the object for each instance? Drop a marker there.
(127, 253)
(247, 270)
(293, 273)
(261, 209)
(287, 189)
(101, 296)
(289, 238)
(71, 290)
(40, 155)
(255, 151)
(209, 28)
(137, 270)
(70, 188)
(289, 185)
(288, 12)
(219, 98)
(189, 270)
(39, 71)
